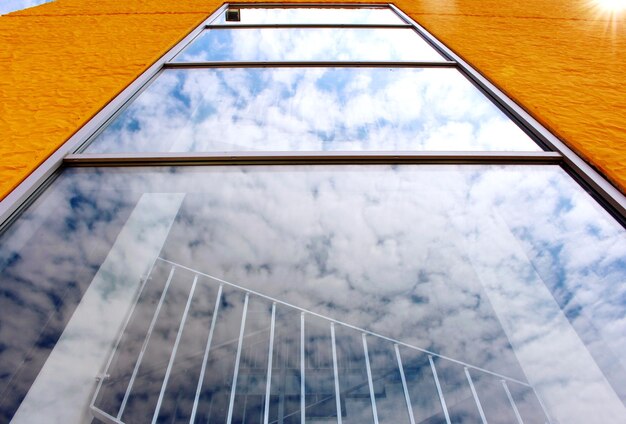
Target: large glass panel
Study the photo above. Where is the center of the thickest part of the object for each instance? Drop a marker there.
(313, 293)
(308, 15)
(308, 44)
(310, 109)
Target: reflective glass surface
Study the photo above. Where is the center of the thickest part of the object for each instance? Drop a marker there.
(307, 15)
(310, 109)
(312, 293)
(308, 44)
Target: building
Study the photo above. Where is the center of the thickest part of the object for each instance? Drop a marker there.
(329, 218)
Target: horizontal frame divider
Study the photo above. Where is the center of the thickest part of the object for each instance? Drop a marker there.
(300, 26)
(310, 64)
(287, 158)
(281, 5)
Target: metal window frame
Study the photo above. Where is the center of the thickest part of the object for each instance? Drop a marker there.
(307, 5)
(68, 155)
(611, 198)
(406, 26)
(309, 26)
(311, 64)
(301, 158)
(33, 185)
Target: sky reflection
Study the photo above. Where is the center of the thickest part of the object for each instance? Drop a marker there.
(444, 258)
(308, 44)
(311, 109)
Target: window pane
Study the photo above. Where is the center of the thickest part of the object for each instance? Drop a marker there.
(507, 282)
(308, 44)
(311, 109)
(305, 15)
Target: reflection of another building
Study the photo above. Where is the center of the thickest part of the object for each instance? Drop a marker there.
(265, 357)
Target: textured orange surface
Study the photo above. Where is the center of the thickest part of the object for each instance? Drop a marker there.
(63, 61)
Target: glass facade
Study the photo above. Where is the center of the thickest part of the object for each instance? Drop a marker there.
(448, 263)
(312, 292)
(308, 44)
(311, 109)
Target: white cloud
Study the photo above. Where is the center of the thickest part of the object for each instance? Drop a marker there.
(311, 109)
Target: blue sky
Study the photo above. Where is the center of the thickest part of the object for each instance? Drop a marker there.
(8, 6)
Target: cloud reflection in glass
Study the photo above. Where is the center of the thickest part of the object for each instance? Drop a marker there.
(311, 109)
(443, 258)
(308, 44)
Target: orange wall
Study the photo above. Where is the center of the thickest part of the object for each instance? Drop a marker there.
(63, 61)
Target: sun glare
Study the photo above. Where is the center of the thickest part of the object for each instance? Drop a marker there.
(611, 5)
(612, 12)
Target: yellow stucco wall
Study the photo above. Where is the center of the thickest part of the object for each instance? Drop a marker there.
(62, 62)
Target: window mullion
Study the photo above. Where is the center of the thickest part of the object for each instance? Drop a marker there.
(328, 157)
(295, 64)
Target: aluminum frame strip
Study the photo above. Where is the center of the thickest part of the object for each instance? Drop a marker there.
(311, 64)
(288, 158)
(268, 383)
(170, 364)
(543, 407)
(237, 360)
(476, 399)
(289, 5)
(370, 381)
(120, 336)
(518, 417)
(439, 391)
(302, 371)
(336, 372)
(144, 346)
(405, 387)
(298, 26)
(194, 409)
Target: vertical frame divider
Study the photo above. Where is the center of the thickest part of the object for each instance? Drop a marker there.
(121, 335)
(476, 399)
(512, 402)
(205, 358)
(370, 382)
(302, 371)
(145, 344)
(170, 364)
(407, 398)
(336, 372)
(439, 391)
(543, 407)
(268, 383)
(237, 360)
